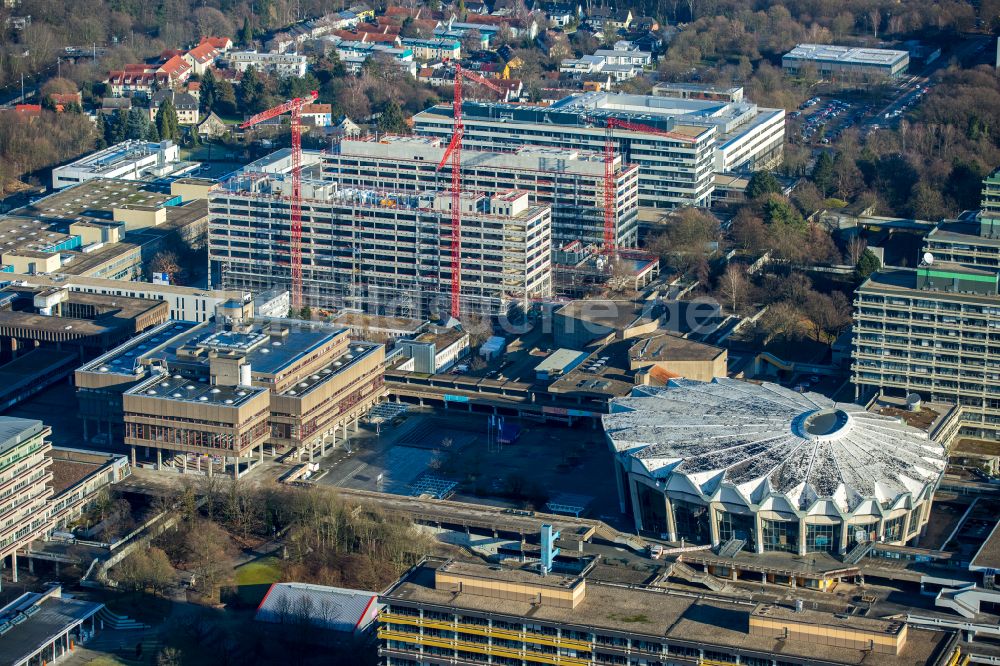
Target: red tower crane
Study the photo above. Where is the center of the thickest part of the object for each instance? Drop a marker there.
(610, 124)
(454, 153)
(295, 107)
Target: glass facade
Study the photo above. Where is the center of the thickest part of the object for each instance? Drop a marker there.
(780, 535)
(691, 521)
(822, 538)
(895, 527)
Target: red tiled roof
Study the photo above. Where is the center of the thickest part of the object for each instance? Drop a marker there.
(194, 85)
(426, 72)
(221, 43)
(203, 53)
(28, 109)
(174, 67)
(377, 37)
(167, 54)
(317, 108)
(66, 98)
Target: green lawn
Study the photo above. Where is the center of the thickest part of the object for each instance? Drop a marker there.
(254, 578)
(264, 571)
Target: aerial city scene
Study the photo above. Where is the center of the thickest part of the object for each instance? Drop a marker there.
(499, 332)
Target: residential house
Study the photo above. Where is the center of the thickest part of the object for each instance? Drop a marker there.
(185, 104)
(554, 44)
(364, 12)
(136, 80)
(433, 49)
(620, 63)
(346, 128)
(111, 104)
(520, 28)
(62, 101)
(177, 69)
(221, 44)
(457, 30)
(644, 24)
(280, 64)
(560, 14)
(201, 57)
(599, 17)
(477, 7)
(317, 115)
(212, 126)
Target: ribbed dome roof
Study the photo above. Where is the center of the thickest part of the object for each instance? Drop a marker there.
(765, 438)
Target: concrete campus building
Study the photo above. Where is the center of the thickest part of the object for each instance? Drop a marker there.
(933, 330)
(445, 613)
(221, 391)
(763, 468)
(129, 160)
(102, 228)
(24, 489)
(382, 248)
(570, 182)
(846, 62)
(724, 136)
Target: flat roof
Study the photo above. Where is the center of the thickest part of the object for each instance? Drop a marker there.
(847, 54)
(683, 618)
(617, 314)
(14, 430)
(177, 388)
(363, 320)
(561, 359)
(954, 231)
(988, 555)
(70, 466)
(54, 616)
(123, 359)
(667, 347)
(352, 356)
(904, 281)
(267, 353)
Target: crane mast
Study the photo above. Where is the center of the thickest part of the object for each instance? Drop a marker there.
(294, 107)
(454, 154)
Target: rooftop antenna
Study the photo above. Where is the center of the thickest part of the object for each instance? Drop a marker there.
(928, 258)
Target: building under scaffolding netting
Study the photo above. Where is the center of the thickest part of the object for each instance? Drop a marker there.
(760, 467)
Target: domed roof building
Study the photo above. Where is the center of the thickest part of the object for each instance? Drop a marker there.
(732, 461)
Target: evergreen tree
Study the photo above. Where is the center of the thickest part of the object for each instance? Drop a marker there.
(136, 124)
(208, 91)
(822, 174)
(246, 34)
(251, 91)
(225, 99)
(761, 184)
(193, 137)
(392, 119)
(166, 121)
(868, 263)
(152, 134)
(118, 126)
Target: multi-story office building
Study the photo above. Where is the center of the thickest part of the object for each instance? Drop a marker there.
(382, 250)
(846, 62)
(280, 64)
(453, 613)
(720, 136)
(24, 489)
(935, 331)
(217, 393)
(570, 182)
